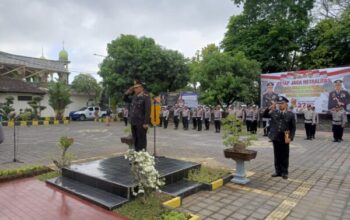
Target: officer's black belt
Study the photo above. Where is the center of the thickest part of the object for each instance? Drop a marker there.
(336, 121)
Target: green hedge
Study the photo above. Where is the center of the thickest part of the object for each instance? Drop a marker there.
(11, 174)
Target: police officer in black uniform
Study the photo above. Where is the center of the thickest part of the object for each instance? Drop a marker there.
(338, 96)
(282, 132)
(269, 96)
(140, 110)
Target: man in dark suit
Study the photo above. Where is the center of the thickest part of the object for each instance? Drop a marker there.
(140, 111)
(338, 96)
(282, 132)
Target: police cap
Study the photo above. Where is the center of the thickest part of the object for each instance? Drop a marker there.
(138, 83)
(282, 99)
(338, 81)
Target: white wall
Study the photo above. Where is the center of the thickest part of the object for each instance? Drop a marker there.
(78, 101)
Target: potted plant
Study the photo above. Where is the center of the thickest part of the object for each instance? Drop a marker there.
(237, 139)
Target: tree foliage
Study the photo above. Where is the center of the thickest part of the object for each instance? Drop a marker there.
(59, 97)
(86, 84)
(224, 78)
(7, 107)
(328, 43)
(131, 58)
(35, 104)
(269, 31)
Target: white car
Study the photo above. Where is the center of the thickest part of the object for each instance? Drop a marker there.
(87, 113)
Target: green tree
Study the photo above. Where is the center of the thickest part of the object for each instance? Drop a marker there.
(35, 105)
(59, 97)
(223, 78)
(269, 31)
(328, 43)
(86, 84)
(131, 58)
(7, 107)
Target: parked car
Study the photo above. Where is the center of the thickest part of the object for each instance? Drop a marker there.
(86, 113)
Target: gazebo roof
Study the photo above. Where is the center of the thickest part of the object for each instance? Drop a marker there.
(31, 62)
(8, 85)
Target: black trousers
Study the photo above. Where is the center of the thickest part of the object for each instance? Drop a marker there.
(139, 136)
(207, 123)
(165, 122)
(217, 125)
(337, 132)
(185, 123)
(308, 130)
(176, 121)
(248, 124)
(199, 124)
(313, 130)
(266, 129)
(194, 122)
(160, 121)
(281, 156)
(126, 121)
(254, 127)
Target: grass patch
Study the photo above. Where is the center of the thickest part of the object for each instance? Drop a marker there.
(172, 215)
(10, 174)
(207, 174)
(46, 176)
(137, 210)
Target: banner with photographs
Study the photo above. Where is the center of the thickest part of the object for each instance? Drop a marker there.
(189, 99)
(322, 88)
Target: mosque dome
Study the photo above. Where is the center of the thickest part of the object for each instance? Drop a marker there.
(63, 55)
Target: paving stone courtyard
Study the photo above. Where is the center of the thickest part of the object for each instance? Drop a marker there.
(319, 176)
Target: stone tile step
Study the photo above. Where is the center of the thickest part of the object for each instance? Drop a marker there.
(182, 188)
(97, 196)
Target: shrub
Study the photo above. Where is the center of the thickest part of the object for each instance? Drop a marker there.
(66, 158)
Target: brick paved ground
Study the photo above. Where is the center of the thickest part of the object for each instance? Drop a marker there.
(318, 187)
(31, 199)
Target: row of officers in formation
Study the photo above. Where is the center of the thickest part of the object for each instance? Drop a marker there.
(251, 115)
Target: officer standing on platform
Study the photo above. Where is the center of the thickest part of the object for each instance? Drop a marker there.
(308, 121)
(140, 110)
(217, 119)
(339, 119)
(281, 133)
(338, 96)
(207, 118)
(315, 121)
(185, 117)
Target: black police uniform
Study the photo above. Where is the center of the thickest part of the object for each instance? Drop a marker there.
(140, 111)
(341, 96)
(281, 122)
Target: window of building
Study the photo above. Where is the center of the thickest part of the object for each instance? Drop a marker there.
(24, 98)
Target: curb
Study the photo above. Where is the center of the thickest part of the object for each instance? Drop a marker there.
(176, 203)
(33, 123)
(217, 183)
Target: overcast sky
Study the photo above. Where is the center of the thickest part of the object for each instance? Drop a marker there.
(86, 26)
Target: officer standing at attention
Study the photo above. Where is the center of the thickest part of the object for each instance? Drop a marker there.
(217, 119)
(185, 117)
(255, 119)
(315, 121)
(125, 116)
(165, 116)
(339, 120)
(338, 96)
(282, 132)
(176, 116)
(249, 119)
(308, 116)
(194, 118)
(200, 114)
(140, 111)
(207, 118)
